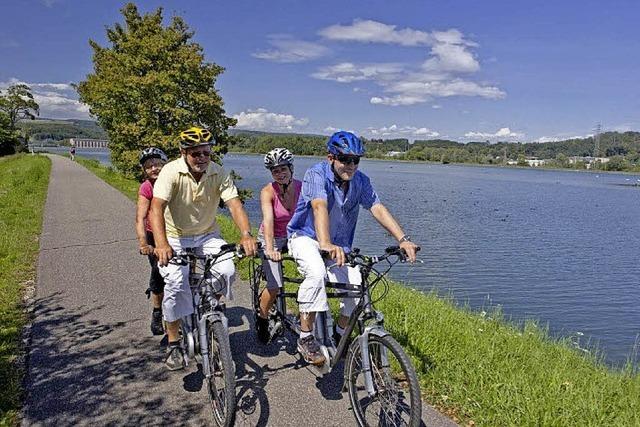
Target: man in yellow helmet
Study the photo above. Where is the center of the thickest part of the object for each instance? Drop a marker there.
(183, 215)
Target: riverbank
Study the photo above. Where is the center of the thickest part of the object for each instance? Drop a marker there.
(479, 367)
(23, 188)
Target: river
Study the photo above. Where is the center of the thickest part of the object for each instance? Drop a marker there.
(560, 247)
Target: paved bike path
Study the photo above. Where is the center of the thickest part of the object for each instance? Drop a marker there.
(93, 360)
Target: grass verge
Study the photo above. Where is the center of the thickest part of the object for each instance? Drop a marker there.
(483, 370)
(23, 190)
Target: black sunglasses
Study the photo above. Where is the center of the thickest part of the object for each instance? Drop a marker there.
(346, 160)
(196, 154)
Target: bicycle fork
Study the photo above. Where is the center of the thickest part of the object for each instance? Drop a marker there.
(210, 317)
(363, 342)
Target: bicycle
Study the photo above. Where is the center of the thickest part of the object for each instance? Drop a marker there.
(378, 373)
(205, 333)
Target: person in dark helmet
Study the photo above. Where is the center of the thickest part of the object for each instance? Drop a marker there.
(325, 219)
(278, 200)
(151, 160)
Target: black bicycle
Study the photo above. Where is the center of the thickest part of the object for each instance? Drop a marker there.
(205, 333)
(379, 376)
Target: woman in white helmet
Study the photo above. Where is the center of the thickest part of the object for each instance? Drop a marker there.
(278, 200)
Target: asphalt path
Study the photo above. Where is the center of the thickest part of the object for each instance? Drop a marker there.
(92, 358)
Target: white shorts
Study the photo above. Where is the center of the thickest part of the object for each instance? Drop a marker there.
(312, 296)
(177, 301)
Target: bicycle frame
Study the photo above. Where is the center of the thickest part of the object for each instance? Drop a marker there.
(362, 313)
(194, 325)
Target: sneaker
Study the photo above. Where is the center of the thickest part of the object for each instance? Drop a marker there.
(310, 350)
(175, 358)
(262, 330)
(156, 323)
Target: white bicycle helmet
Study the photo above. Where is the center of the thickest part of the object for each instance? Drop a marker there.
(152, 153)
(278, 157)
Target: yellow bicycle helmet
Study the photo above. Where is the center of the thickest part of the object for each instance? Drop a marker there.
(195, 137)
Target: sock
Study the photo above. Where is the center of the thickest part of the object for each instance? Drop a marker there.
(174, 343)
(157, 310)
(339, 329)
(304, 334)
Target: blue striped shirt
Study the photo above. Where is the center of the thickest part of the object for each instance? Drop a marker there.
(319, 183)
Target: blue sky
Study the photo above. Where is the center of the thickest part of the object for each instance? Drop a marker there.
(464, 70)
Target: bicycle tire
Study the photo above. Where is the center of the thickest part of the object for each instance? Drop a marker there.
(221, 385)
(392, 382)
(255, 283)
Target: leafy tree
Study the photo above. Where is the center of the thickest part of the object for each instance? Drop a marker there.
(151, 83)
(16, 104)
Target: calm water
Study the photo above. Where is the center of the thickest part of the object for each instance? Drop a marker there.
(559, 247)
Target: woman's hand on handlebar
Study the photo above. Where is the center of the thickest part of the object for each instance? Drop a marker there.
(146, 249)
(410, 249)
(249, 245)
(164, 254)
(273, 254)
(335, 252)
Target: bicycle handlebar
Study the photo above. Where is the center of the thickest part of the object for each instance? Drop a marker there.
(184, 258)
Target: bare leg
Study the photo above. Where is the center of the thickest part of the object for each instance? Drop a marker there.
(173, 330)
(306, 321)
(156, 300)
(266, 301)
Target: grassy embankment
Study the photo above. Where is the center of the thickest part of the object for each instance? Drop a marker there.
(23, 190)
(483, 370)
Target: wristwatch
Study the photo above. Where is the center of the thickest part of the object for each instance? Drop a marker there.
(404, 238)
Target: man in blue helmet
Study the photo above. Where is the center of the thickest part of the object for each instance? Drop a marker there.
(325, 219)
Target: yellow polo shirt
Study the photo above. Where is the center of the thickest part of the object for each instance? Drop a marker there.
(192, 206)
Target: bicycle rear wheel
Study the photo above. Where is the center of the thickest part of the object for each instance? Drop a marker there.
(396, 401)
(222, 382)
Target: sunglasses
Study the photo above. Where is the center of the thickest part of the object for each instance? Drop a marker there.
(347, 160)
(196, 154)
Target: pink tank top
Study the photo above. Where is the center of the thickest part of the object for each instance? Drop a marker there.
(281, 216)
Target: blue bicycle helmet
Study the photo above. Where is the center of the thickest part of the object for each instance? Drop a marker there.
(345, 143)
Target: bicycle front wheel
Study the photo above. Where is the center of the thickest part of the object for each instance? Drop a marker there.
(255, 282)
(396, 398)
(222, 382)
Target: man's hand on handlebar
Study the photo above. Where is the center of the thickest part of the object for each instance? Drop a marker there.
(410, 249)
(164, 254)
(335, 252)
(249, 245)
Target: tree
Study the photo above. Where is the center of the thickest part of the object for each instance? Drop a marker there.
(150, 84)
(16, 104)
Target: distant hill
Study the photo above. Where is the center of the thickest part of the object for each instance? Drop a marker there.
(54, 130)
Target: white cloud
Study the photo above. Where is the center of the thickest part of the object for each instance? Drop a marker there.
(501, 134)
(261, 119)
(288, 49)
(436, 106)
(438, 76)
(557, 138)
(376, 32)
(395, 131)
(56, 100)
(347, 72)
(409, 91)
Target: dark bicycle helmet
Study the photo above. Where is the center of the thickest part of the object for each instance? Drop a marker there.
(345, 143)
(278, 157)
(195, 137)
(152, 153)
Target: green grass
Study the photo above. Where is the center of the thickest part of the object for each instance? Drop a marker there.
(483, 370)
(23, 191)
